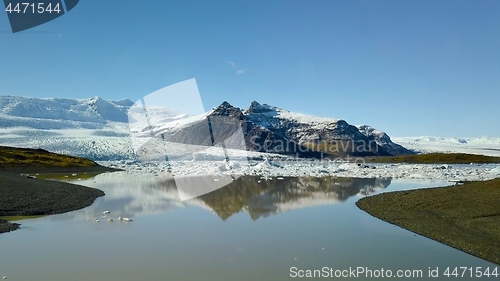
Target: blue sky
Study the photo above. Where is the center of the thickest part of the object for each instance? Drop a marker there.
(409, 68)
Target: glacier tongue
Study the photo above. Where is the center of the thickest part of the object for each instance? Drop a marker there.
(94, 147)
(93, 128)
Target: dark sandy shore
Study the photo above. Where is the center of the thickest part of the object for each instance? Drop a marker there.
(466, 217)
(23, 196)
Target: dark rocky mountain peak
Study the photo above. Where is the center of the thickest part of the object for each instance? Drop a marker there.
(256, 107)
(226, 109)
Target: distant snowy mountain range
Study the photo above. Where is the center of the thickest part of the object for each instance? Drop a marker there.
(481, 145)
(61, 113)
(99, 129)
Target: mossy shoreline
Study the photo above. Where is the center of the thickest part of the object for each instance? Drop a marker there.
(465, 217)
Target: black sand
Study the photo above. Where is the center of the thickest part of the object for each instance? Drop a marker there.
(24, 196)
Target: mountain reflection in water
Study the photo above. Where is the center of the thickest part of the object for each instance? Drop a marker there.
(262, 197)
(129, 195)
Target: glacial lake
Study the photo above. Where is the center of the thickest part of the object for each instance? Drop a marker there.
(252, 229)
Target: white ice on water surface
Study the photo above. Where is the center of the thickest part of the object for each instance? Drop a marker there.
(286, 168)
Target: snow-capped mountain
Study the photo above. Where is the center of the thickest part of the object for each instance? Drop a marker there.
(268, 129)
(106, 130)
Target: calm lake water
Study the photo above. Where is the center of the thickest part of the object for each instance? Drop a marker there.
(253, 229)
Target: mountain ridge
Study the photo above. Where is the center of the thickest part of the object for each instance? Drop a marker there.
(271, 129)
(99, 128)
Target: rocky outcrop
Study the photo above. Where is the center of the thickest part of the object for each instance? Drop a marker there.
(383, 140)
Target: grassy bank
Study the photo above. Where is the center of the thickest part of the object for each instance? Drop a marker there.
(12, 156)
(23, 195)
(466, 217)
(435, 158)
(38, 160)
